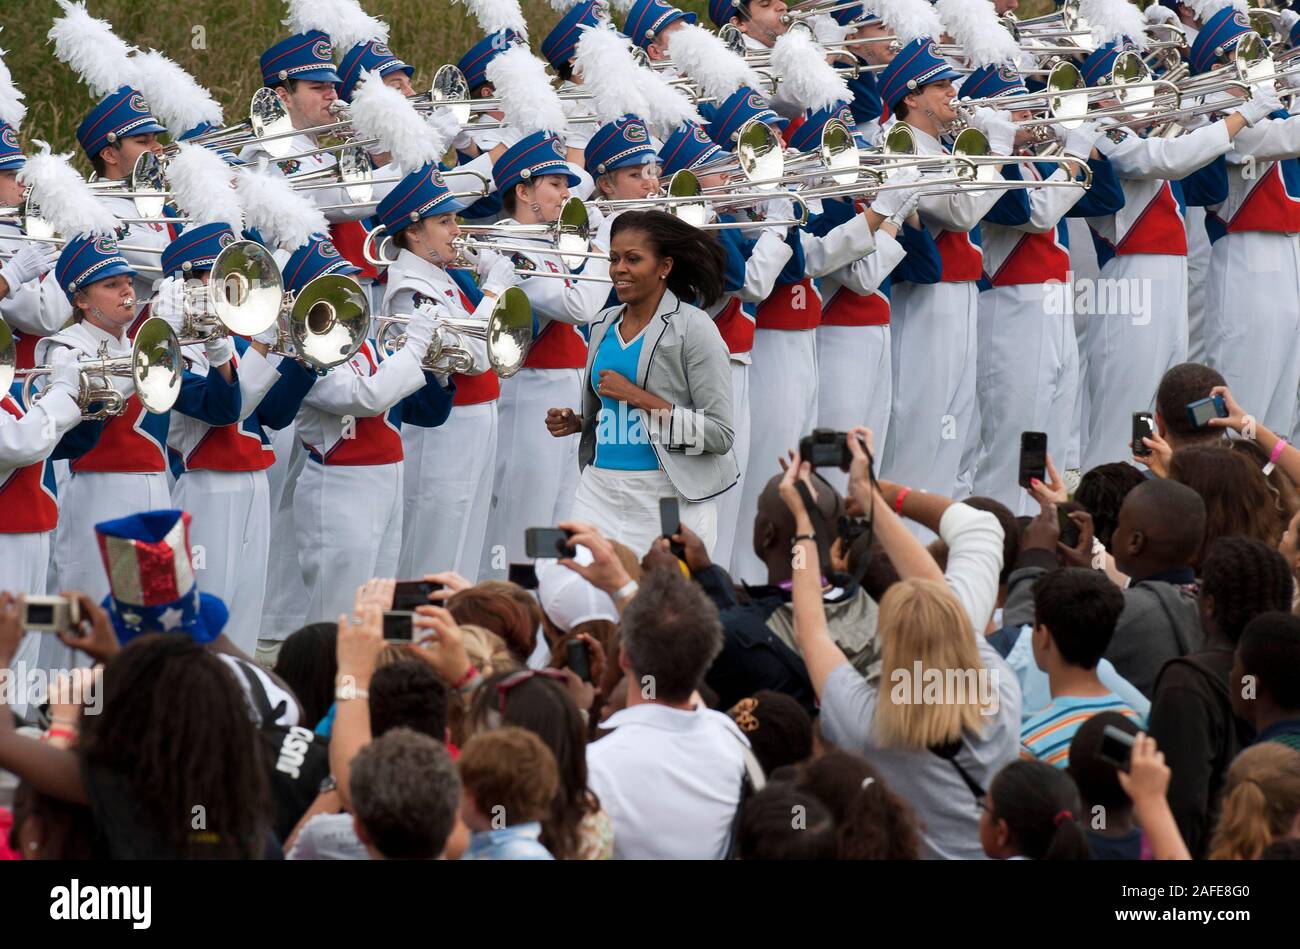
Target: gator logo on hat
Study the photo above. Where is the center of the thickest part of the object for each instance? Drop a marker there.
(932, 49)
(845, 116)
(381, 50)
(225, 240)
(327, 249)
(10, 138)
(106, 246)
(756, 101)
(701, 136)
(323, 50)
(138, 103)
(436, 178)
(1007, 74)
(1240, 19)
(635, 132)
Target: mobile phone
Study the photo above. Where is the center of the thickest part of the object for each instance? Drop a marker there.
(399, 626)
(1144, 426)
(548, 542)
(1116, 747)
(1202, 410)
(1069, 529)
(1033, 457)
(524, 575)
(670, 522)
(826, 448)
(578, 659)
(50, 614)
(412, 593)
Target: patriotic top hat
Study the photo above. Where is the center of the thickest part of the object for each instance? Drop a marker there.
(151, 578)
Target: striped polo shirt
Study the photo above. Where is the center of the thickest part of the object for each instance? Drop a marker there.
(1046, 735)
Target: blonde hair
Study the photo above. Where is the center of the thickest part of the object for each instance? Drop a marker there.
(922, 622)
(486, 649)
(1261, 797)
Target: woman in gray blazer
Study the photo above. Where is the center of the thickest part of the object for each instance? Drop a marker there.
(655, 420)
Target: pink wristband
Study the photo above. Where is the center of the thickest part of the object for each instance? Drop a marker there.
(1275, 455)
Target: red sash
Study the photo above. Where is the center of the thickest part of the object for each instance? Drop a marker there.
(1158, 229)
(792, 306)
(736, 327)
(962, 260)
(847, 308)
(25, 505)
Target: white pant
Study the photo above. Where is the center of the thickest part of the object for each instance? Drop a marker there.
(536, 473)
(1252, 322)
(1128, 352)
(1025, 380)
(783, 408)
(285, 609)
(729, 527)
(625, 506)
(854, 385)
(230, 535)
(447, 485)
(348, 523)
(24, 560)
(932, 338)
(1083, 266)
(1198, 263)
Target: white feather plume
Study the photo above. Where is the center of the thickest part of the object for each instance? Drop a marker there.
(609, 73)
(562, 6)
(622, 6)
(383, 113)
(666, 106)
(528, 100)
(344, 20)
(976, 28)
(67, 203)
(493, 15)
(1116, 20)
(176, 99)
(284, 217)
(200, 180)
(806, 77)
(909, 19)
(706, 59)
(1204, 9)
(12, 109)
(90, 47)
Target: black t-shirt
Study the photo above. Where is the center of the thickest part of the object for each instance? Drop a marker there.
(1128, 847)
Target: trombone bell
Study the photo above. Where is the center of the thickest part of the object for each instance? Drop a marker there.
(328, 321)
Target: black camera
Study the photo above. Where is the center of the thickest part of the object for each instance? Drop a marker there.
(826, 448)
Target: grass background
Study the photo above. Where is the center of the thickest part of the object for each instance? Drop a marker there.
(219, 42)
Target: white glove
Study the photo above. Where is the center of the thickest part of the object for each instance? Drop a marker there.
(890, 202)
(827, 31)
(1079, 141)
(220, 351)
(445, 124)
(997, 129)
(1159, 14)
(419, 331)
(1263, 102)
(169, 304)
(269, 336)
(500, 277)
(33, 261)
(779, 209)
(65, 375)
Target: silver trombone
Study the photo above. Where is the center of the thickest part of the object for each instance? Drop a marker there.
(508, 334)
(323, 324)
(154, 368)
(243, 296)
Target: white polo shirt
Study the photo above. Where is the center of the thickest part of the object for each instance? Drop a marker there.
(669, 780)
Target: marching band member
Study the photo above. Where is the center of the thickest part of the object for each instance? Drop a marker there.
(559, 47)
(650, 23)
(933, 326)
(347, 502)
(866, 106)
(448, 470)
(221, 470)
(752, 268)
(475, 138)
(1143, 246)
(655, 418)
(536, 477)
(1027, 364)
(622, 159)
(1256, 230)
(760, 23)
(126, 471)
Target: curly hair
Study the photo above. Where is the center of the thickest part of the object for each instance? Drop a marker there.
(175, 732)
(1102, 490)
(1241, 578)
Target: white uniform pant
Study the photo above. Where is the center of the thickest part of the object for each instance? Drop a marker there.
(1198, 263)
(348, 523)
(1252, 322)
(932, 338)
(91, 497)
(230, 535)
(783, 408)
(285, 606)
(24, 560)
(854, 386)
(625, 506)
(536, 473)
(1083, 266)
(729, 528)
(447, 484)
(1135, 330)
(1025, 380)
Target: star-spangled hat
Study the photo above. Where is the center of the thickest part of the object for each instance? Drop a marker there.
(307, 56)
(121, 115)
(688, 147)
(617, 144)
(917, 64)
(314, 259)
(373, 56)
(533, 156)
(152, 588)
(86, 260)
(648, 18)
(422, 193)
